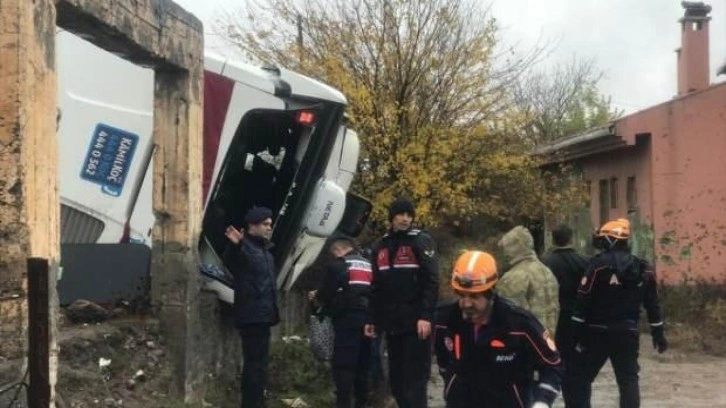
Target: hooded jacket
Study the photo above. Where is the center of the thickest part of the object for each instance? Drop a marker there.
(528, 282)
(615, 287)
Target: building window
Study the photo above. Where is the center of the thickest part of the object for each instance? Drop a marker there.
(588, 191)
(631, 195)
(614, 192)
(604, 201)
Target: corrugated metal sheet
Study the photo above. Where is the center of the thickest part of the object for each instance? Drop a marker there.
(78, 227)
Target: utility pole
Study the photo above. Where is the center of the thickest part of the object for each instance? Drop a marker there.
(38, 333)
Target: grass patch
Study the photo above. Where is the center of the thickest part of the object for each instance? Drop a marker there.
(695, 315)
(295, 373)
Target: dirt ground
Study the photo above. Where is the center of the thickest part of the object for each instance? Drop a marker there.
(676, 379)
(671, 380)
(136, 375)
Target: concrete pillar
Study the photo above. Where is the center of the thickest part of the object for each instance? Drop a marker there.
(176, 282)
(29, 207)
(159, 34)
(153, 33)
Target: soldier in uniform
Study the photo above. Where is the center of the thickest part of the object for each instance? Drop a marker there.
(344, 294)
(528, 282)
(405, 290)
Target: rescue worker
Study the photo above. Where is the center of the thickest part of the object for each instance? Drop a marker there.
(488, 348)
(344, 294)
(255, 299)
(568, 267)
(528, 282)
(610, 295)
(405, 291)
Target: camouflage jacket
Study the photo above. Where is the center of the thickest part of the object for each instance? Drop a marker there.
(528, 282)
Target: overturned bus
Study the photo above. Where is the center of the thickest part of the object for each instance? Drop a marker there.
(271, 138)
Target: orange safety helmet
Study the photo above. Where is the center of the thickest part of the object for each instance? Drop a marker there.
(618, 229)
(474, 272)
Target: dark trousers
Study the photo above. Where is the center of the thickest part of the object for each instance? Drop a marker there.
(376, 370)
(255, 354)
(621, 347)
(350, 365)
(564, 338)
(409, 366)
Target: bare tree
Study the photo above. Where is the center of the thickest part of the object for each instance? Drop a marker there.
(562, 101)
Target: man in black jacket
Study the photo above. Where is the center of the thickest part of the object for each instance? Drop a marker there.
(605, 317)
(568, 267)
(488, 349)
(405, 290)
(344, 294)
(255, 298)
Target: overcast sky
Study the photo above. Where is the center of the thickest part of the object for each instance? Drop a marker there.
(632, 41)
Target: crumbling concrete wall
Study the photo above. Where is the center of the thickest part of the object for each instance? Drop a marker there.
(29, 207)
(161, 35)
(152, 33)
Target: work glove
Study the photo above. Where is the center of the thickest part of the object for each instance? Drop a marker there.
(540, 404)
(659, 340)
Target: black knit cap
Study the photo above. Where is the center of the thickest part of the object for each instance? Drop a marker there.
(256, 215)
(399, 206)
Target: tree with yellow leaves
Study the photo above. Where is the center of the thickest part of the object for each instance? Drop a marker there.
(428, 93)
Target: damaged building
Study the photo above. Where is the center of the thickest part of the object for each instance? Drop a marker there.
(663, 168)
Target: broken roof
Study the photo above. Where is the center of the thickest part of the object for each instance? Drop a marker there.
(592, 141)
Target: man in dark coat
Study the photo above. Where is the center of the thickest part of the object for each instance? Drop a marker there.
(255, 299)
(488, 349)
(616, 286)
(568, 267)
(404, 294)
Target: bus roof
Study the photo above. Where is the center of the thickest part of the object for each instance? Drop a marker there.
(264, 79)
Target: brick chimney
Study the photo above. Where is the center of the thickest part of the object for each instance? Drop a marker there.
(693, 59)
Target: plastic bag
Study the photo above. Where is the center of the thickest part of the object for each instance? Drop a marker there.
(321, 337)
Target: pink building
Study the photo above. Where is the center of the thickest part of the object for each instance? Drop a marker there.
(664, 168)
